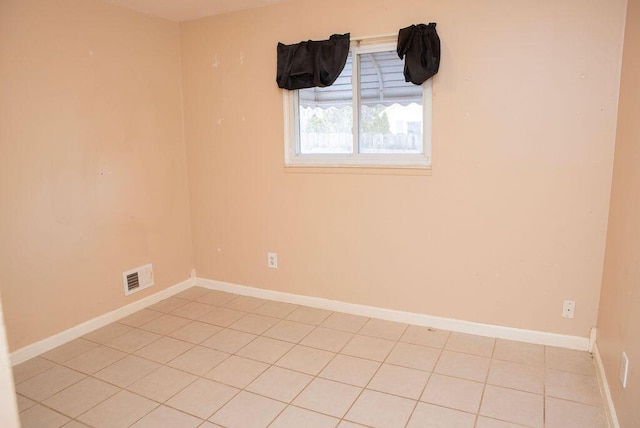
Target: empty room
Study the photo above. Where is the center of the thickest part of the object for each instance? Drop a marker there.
(291, 213)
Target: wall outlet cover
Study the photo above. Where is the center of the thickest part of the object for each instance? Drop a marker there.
(568, 309)
(272, 260)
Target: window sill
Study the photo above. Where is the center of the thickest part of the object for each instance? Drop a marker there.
(360, 169)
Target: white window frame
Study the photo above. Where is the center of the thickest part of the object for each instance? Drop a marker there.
(293, 155)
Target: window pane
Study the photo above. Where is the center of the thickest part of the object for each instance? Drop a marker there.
(390, 108)
(326, 116)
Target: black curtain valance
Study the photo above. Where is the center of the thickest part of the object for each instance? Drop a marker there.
(312, 63)
(420, 47)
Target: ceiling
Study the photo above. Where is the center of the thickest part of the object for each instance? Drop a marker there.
(185, 10)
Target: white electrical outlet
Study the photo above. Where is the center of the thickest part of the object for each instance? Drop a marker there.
(272, 260)
(624, 369)
(568, 309)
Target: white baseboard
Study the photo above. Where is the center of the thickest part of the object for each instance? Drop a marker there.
(609, 408)
(530, 336)
(63, 337)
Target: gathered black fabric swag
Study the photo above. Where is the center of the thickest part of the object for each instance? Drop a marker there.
(312, 63)
(420, 47)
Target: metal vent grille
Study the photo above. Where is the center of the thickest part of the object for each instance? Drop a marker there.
(133, 281)
(137, 279)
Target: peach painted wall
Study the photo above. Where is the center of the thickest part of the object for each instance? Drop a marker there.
(619, 318)
(512, 219)
(92, 173)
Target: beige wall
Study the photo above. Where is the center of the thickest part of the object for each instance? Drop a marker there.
(511, 221)
(92, 172)
(619, 318)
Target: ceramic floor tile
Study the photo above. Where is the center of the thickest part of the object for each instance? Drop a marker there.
(217, 298)
(304, 359)
(425, 336)
(396, 363)
(414, 356)
(164, 350)
(202, 398)
(133, 340)
(165, 324)
(229, 341)
(345, 322)
(95, 359)
(255, 324)
(309, 315)
(350, 370)
(289, 331)
(383, 329)
(166, 417)
(519, 352)
(470, 344)
(198, 360)
(485, 422)
(136, 319)
(69, 350)
(121, 410)
(381, 410)
(279, 384)
(297, 417)
(275, 309)
(80, 397)
(580, 362)
(24, 403)
(237, 371)
(459, 394)
(40, 417)
(401, 381)
(193, 310)
(195, 332)
(168, 305)
(127, 371)
(193, 293)
(162, 384)
(328, 397)
(245, 303)
(327, 339)
(47, 383)
(222, 317)
(465, 366)
(512, 406)
(248, 410)
(524, 377)
(430, 416)
(30, 368)
(567, 414)
(107, 333)
(265, 350)
(573, 387)
(372, 348)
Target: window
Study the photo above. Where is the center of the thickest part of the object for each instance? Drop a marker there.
(369, 117)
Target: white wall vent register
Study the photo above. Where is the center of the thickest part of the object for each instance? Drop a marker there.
(138, 279)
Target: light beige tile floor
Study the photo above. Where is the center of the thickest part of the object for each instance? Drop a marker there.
(208, 359)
